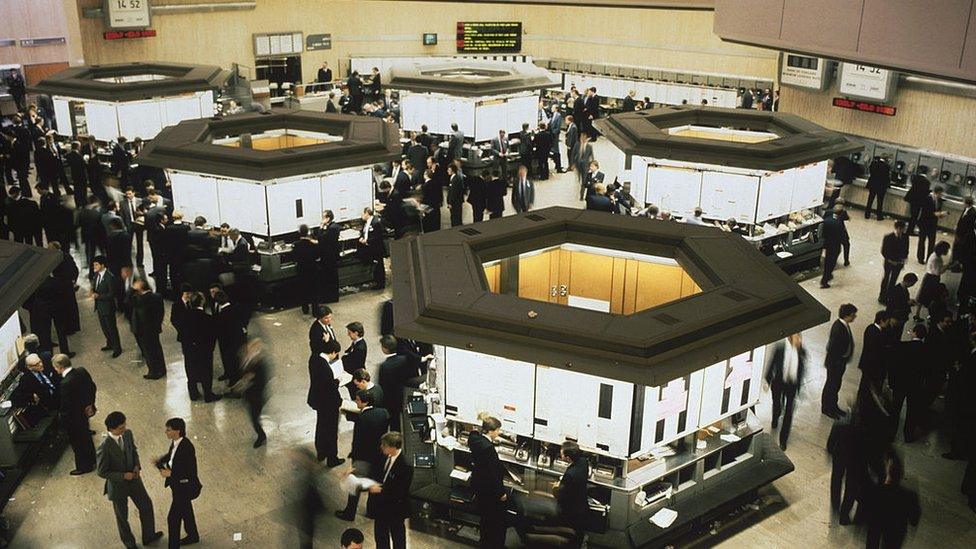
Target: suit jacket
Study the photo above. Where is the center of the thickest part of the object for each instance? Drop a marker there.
(128, 214)
(323, 388)
(918, 190)
(584, 156)
(775, 374)
(908, 369)
(147, 317)
(105, 301)
(121, 158)
(832, 231)
(417, 154)
(393, 374)
(184, 480)
(355, 356)
(456, 191)
(315, 333)
(873, 352)
(599, 203)
(894, 248)
(113, 462)
(897, 301)
(119, 252)
(499, 146)
(393, 502)
(487, 471)
(497, 189)
(522, 199)
(402, 183)
(370, 425)
(239, 254)
(629, 104)
(305, 253)
(231, 324)
(839, 342)
(374, 249)
(177, 317)
(78, 391)
(555, 128)
(572, 495)
(200, 331)
(542, 142)
(328, 247)
(927, 218)
(477, 192)
(455, 146)
(579, 109)
(880, 176)
(28, 385)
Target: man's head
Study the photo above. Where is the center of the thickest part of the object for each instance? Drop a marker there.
(367, 213)
(327, 216)
(847, 312)
(919, 331)
(364, 399)
(909, 280)
(389, 344)
(360, 378)
(569, 450)
(324, 314)
(899, 227)
(943, 320)
(130, 193)
(882, 317)
(61, 362)
(391, 443)
(98, 264)
(352, 538)
(454, 126)
(139, 286)
(175, 428)
(115, 423)
(355, 330)
(938, 190)
(31, 343)
(523, 171)
(34, 363)
(490, 426)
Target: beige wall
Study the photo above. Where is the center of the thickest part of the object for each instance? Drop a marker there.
(21, 19)
(663, 38)
(924, 119)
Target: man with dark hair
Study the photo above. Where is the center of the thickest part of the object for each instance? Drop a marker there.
(371, 248)
(894, 251)
(874, 350)
(389, 501)
(394, 372)
(147, 324)
(455, 194)
(370, 424)
(899, 304)
(354, 357)
(321, 329)
(77, 405)
(832, 232)
(323, 397)
(840, 349)
(306, 255)
(231, 324)
(363, 382)
(907, 381)
(571, 493)
(327, 240)
(201, 332)
(352, 538)
(928, 222)
(179, 467)
(103, 290)
(119, 465)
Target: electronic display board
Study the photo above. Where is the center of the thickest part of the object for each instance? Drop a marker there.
(489, 37)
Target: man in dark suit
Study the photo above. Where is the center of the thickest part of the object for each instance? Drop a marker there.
(394, 372)
(37, 386)
(237, 256)
(417, 153)
(840, 349)
(874, 353)
(119, 465)
(571, 492)
(432, 198)
(455, 144)
(201, 332)
(598, 201)
(899, 304)
(90, 221)
(402, 181)
(306, 253)
(175, 241)
(477, 195)
(499, 151)
(354, 357)
(496, 191)
(784, 375)
(79, 174)
(523, 191)
(964, 252)
(556, 128)
(629, 103)
(133, 216)
(879, 179)
(832, 231)
(542, 145)
(592, 106)
(325, 74)
(907, 381)
(572, 142)
(320, 327)
(389, 501)
(121, 161)
(324, 398)
(179, 467)
(24, 218)
(579, 110)
(231, 323)
(370, 425)
(928, 223)
(525, 149)
(455, 195)
(77, 405)
(327, 237)
(103, 289)
(894, 250)
(147, 324)
(918, 192)
(371, 247)
(118, 255)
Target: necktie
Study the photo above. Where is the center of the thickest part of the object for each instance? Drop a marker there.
(132, 210)
(45, 381)
(98, 281)
(118, 440)
(389, 465)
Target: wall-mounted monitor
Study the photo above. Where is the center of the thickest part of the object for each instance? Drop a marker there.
(430, 38)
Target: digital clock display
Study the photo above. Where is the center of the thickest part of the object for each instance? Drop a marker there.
(127, 14)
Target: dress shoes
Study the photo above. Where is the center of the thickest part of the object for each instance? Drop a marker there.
(189, 541)
(261, 440)
(844, 520)
(194, 396)
(77, 472)
(70, 354)
(343, 516)
(830, 414)
(153, 538)
(222, 378)
(824, 285)
(953, 456)
(153, 376)
(211, 398)
(116, 353)
(107, 348)
(335, 462)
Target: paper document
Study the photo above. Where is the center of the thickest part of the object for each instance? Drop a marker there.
(352, 484)
(337, 371)
(461, 475)
(729, 437)
(664, 518)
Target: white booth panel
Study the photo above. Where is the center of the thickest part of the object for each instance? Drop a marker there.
(102, 120)
(62, 113)
(478, 383)
(347, 194)
(242, 205)
(775, 195)
(727, 195)
(140, 119)
(177, 109)
(671, 411)
(600, 415)
(9, 336)
(292, 203)
(489, 118)
(677, 190)
(206, 103)
(195, 195)
(521, 110)
(808, 186)
(732, 385)
(413, 110)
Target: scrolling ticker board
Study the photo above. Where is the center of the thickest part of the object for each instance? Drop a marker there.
(489, 37)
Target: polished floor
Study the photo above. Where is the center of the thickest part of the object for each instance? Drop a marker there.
(246, 491)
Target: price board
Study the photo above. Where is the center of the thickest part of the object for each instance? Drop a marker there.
(489, 37)
(127, 14)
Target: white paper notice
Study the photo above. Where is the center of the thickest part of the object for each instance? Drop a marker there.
(352, 484)
(664, 518)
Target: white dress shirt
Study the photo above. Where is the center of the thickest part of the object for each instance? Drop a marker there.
(176, 444)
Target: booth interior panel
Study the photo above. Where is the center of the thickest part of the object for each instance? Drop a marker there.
(195, 195)
(535, 275)
(656, 284)
(242, 205)
(589, 275)
(102, 120)
(478, 383)
(729, 196)
(11, 343)
(493, 274)
(293, 203)
(617, 294)
(140, 119)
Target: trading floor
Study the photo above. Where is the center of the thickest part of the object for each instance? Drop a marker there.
(247, 492)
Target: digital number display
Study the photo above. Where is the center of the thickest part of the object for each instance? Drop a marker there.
(127, 14)
(489, 37)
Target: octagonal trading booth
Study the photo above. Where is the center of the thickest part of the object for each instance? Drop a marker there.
(130, 99)
(266, 174)
(765, 170)
(644, 342)
(481, 97)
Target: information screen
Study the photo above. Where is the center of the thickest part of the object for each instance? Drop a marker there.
(489, 37)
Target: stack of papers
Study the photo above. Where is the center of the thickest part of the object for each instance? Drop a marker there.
(460, 475)
(729, 437)
(352, 484)
(664, 518)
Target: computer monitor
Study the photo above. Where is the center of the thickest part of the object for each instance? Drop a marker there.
(430, 38)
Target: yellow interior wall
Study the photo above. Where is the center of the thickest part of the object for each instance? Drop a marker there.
(723, 136)
(673, 39)
(493, 274)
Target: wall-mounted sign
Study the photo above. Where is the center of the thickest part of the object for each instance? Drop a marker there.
(864, 106)
(34, 42)
(120, 35)
(489, 37)
(804, 71)
(279, 43)
(866, 82)
(127, 14)
(7, 42)
(318, 42)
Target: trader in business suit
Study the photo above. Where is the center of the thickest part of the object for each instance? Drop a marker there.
(36, 387)
(784, 375)
(178, 467)
(321, 330)
(930, 213)
(103, 289)
(832, 233)
(894, 251)
(899, 303)
(119, 465)
(455, 145)
(879, 179)
(571, 493)
(523, 191)
(455, 195)
(201, 333)
(354, 357)
(875, 350)
(555, 129)
(487, 476)
(907, 380)
(389, 501)
(542, 146)
(394, 372)
(323, 397)
(371, 247)
(840, 349)
(231, 321)
(147, 324)
(499, 151)
(79, 174)
(572, 142)
(497, 188)
(918, 192)
(584, 159)
(327, 238)
(599, 201)
(77, 405)
(370, 425)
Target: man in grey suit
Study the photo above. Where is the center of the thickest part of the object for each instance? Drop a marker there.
(556, 128)
(118, 464)
(455, 146)
(572, 142)
(103, 290)
(523, 192)
(499, 150)
(583, 160)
